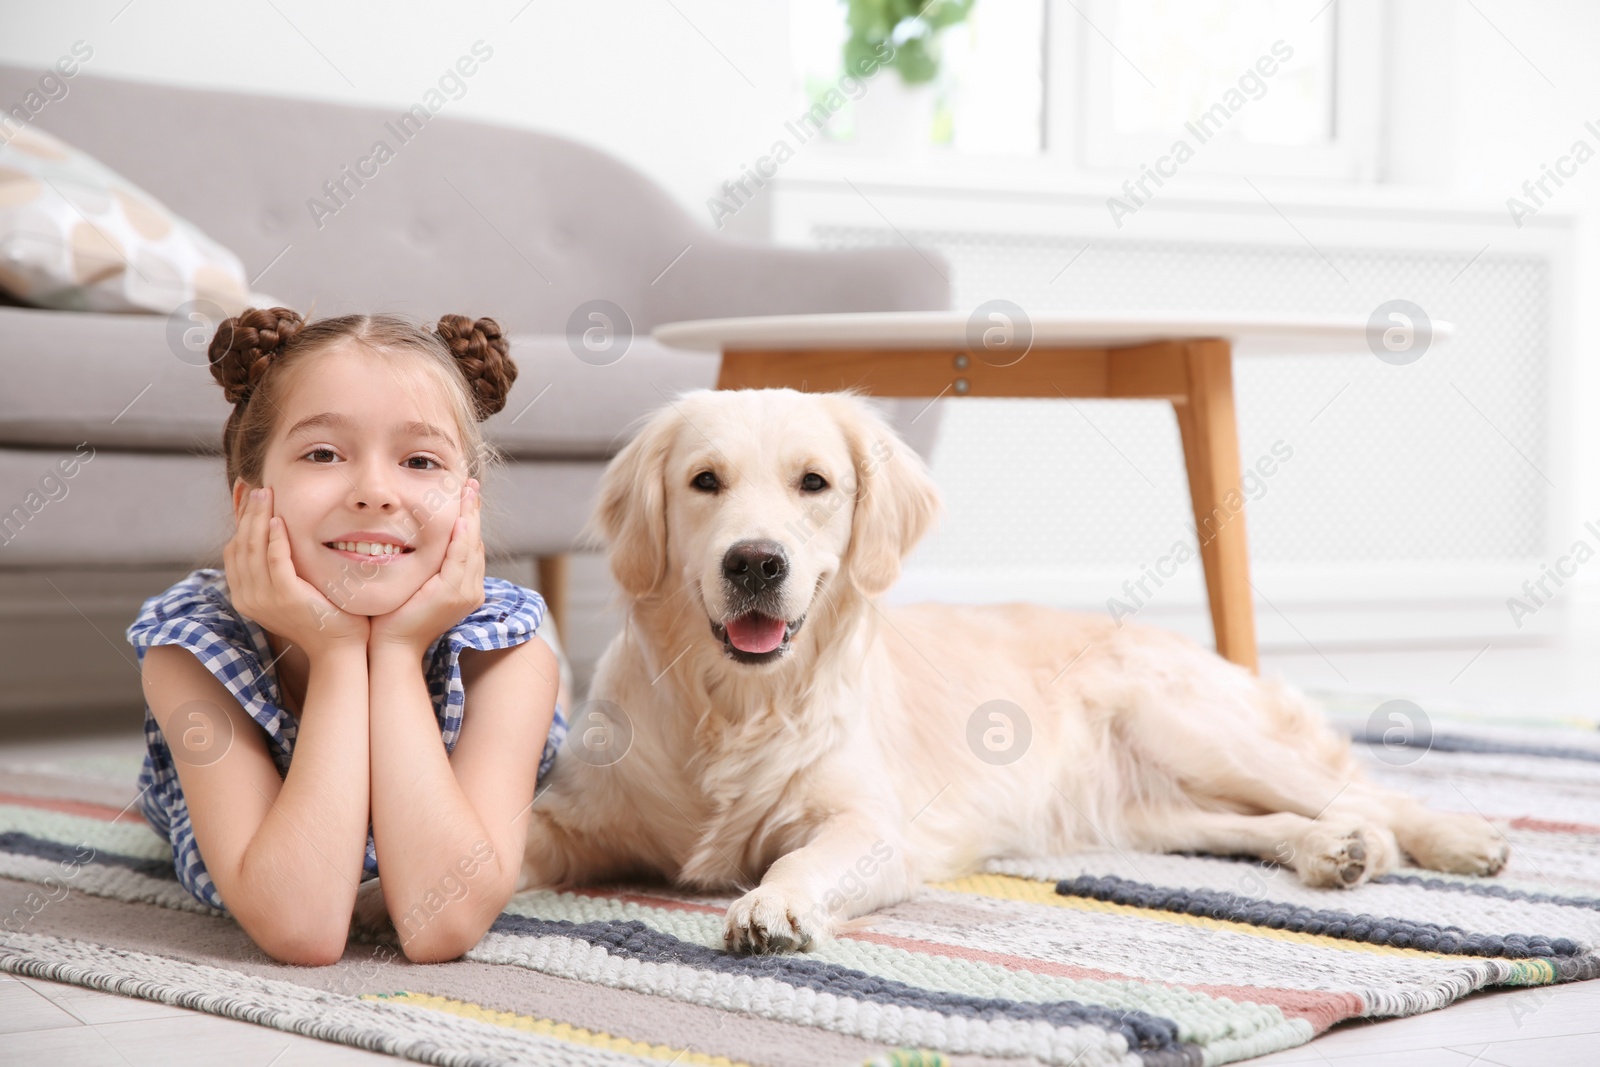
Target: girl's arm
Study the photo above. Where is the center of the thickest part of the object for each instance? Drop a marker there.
(450, 828)
(285, 854)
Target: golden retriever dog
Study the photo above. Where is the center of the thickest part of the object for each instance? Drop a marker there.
(763, 723)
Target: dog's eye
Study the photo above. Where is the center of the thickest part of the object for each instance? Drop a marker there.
(813, 482)
(706, 482)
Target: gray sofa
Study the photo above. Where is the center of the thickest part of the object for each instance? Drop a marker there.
(468, 218)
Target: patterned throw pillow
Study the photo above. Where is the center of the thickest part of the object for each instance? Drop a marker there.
(76, 236)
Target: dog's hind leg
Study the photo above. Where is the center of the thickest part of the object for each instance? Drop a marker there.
(1334, 850)
(1222, 736)
(1289, 760)
(1457, 842)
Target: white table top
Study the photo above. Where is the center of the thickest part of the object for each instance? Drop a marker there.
(1250, 334)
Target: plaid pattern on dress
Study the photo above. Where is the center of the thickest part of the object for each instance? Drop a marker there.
(197, 614)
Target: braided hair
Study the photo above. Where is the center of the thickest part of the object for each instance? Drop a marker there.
(251, 355)
(483, 356)
(244, 347)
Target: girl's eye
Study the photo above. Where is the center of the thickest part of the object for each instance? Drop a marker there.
(429, 462)
(813, 482)
(706, 482)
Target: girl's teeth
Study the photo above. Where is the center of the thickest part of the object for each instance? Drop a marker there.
(368, 548)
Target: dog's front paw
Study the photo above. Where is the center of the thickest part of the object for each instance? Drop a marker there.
(772, 920)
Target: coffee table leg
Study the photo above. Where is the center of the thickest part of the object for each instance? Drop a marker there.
(552, 578)
(1211, 454)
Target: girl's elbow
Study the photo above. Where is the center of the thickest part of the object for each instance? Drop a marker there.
(304, 950)
(304, 944)
(437, 949)
(439, 946)
(447, 937)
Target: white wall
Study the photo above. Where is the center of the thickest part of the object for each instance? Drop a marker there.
(682, 90)
(1504, 115)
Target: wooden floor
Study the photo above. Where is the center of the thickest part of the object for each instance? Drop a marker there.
(45, 1022)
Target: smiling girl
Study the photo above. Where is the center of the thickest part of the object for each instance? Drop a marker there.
(351, 684)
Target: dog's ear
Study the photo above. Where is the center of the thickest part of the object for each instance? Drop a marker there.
(896, 500)
(631, 515)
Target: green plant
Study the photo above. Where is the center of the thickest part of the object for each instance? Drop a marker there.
(909, 27)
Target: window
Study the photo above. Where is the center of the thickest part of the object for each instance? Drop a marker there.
(1258, 87)
(986, 99)
(1283, 87)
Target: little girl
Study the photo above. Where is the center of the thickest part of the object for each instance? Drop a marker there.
(307, 706)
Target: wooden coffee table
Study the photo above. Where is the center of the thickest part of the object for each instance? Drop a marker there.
(1002, 351)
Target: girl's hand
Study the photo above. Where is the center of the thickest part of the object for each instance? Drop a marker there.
(447, 597)
(263, 585)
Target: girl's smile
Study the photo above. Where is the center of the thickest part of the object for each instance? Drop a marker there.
(366, 545)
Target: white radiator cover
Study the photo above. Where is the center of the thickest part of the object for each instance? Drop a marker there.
(1417, 499)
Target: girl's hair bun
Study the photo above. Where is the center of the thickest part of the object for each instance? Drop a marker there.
(484, 357)
(244, 347)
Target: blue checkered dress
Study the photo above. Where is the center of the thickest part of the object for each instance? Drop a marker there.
(197, 614)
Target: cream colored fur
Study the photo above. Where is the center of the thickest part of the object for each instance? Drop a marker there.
(834, 781)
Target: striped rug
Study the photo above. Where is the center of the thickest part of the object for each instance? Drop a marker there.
(1085, 960)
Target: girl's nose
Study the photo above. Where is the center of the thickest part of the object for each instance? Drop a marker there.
(373, 488)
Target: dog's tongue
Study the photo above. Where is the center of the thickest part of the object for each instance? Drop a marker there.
(755, 632)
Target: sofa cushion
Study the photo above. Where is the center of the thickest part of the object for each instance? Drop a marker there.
(141, 383)
(101, 507)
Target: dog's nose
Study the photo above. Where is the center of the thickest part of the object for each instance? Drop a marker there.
(754, 565)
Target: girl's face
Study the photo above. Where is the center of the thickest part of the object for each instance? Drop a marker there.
(360, 455)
